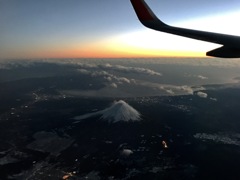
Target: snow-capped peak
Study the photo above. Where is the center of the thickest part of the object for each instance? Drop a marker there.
(120, 111)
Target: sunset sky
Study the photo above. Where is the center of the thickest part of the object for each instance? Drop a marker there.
(107, 28)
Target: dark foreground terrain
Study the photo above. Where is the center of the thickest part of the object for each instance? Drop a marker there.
(191, 136)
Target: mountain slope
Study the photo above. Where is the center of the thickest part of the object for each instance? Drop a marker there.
(118, 111)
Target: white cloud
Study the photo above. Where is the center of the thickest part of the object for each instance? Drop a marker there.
(202, 94)
(159, 89)
(113, 85)
(123, 79)
(86, 65)
(126, 152)
(185, 88)
(117, 85)
(84, 71)
(117, 79)
(100, 73)
(213, 99)
(118, 68)
(170, 91)
(126, 69)
(112, 79)
(10, 64)
(136, 88)
(108, 78)
(202, 77)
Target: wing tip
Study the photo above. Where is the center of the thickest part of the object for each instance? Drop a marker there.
(142, 10)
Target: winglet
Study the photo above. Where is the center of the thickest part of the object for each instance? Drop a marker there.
(145, 14)
(143, 11)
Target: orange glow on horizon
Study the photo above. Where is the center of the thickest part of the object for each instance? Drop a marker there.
(136, 53)
(119, 46)
(102, 49)
(106, 53)
(113, 49)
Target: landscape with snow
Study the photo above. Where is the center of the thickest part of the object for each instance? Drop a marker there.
(119, 119)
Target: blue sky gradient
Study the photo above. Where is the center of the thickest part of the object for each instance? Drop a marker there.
(28, 26)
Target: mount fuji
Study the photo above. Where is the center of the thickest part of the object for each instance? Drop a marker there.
(118, 111)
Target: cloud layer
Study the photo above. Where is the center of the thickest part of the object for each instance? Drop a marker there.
(123, 77)
(127, 81)
(110, 73)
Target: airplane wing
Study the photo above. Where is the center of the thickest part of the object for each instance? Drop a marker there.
(231, 44)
